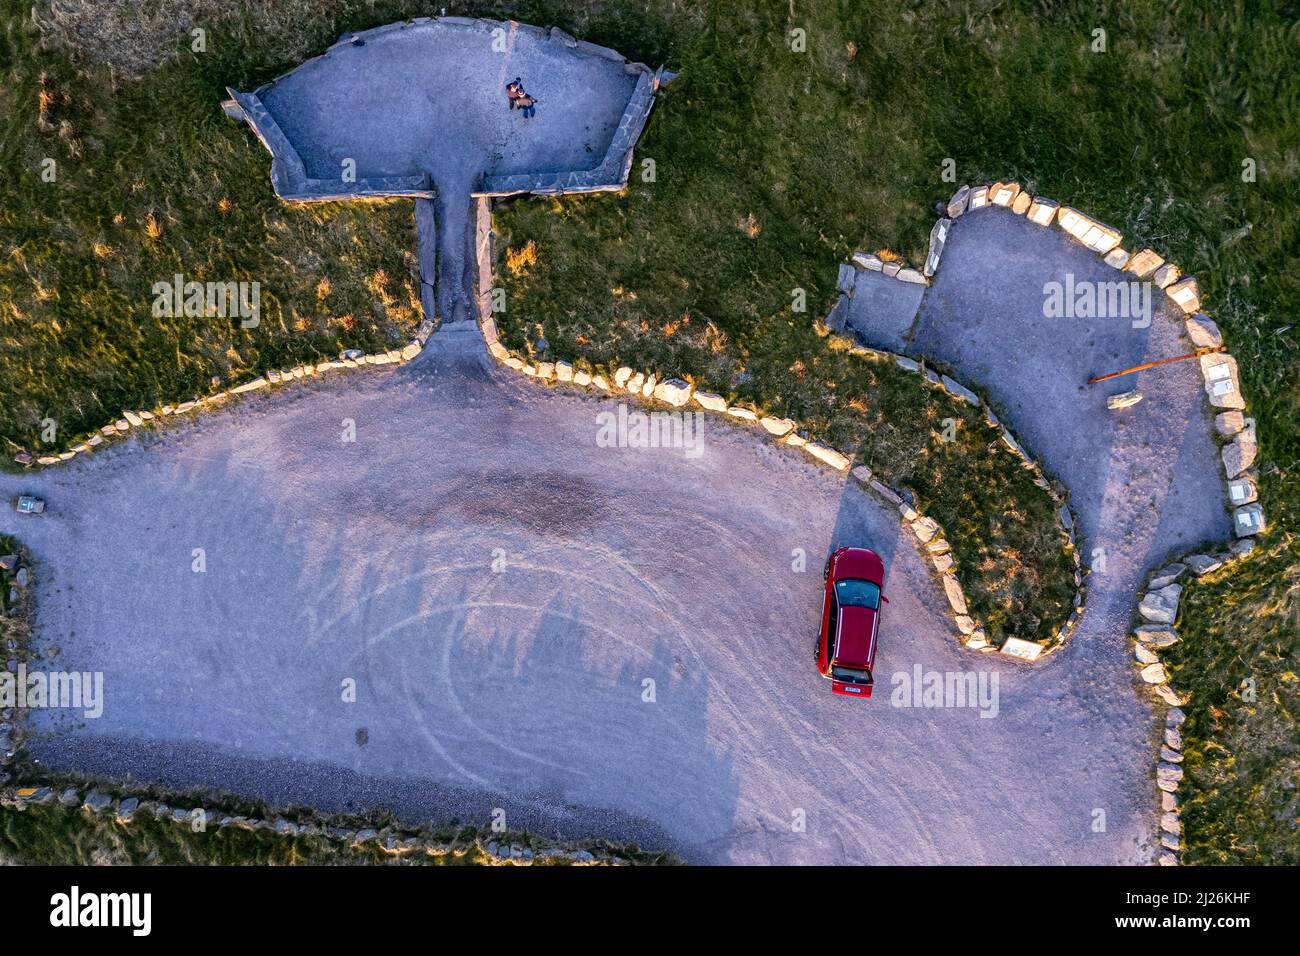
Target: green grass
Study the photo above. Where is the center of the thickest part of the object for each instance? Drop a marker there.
(833, 149)
(51, 834)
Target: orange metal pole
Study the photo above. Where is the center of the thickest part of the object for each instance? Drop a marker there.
(1137, 368)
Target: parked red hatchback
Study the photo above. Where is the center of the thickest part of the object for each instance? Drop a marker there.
(846, 646)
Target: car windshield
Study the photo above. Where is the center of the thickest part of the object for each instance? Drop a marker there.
(850, 675)
(854, 592)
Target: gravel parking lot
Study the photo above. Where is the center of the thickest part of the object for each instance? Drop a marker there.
(524, 687)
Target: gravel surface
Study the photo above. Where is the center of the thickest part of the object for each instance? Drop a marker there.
(524, 687)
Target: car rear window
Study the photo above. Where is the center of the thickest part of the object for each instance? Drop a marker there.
(850, 675)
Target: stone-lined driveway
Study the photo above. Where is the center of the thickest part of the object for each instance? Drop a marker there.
(523, 686)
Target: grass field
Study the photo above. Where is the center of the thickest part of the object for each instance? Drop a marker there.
(771, 166)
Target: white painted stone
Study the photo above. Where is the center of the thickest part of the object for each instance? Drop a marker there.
(676, 392)
(710, 400)
(1154, 674)
(1124, 399)
(777, 426)
(828, 455)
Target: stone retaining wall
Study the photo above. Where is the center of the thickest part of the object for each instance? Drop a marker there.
(291, 183)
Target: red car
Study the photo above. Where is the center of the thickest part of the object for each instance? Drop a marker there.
(846, 646)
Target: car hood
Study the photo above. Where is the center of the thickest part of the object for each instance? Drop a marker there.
(860, 563)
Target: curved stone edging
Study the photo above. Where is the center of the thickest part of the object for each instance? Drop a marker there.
(1158, 604)
(677, 392)
(348, 358)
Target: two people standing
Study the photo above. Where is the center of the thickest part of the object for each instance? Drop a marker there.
(518, 99)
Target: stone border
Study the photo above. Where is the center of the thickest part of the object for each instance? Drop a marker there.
(393, 841)
(1158, 604)
(348, 358)
(677, 392)
(16, 572)
(289, 176)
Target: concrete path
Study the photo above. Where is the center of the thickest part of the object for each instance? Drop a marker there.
(430, 98)
(524, 687)
(883, 309)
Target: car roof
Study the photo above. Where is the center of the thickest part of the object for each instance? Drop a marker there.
(855, 636)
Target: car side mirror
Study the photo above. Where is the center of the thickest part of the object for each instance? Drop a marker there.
(885, 599)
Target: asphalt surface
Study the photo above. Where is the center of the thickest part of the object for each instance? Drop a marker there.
(523, 687)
